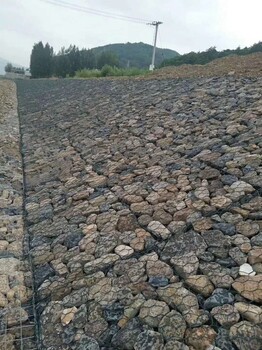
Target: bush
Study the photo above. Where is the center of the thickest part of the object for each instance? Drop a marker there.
(87, 73)
(109, 71)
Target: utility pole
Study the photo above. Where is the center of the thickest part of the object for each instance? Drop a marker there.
(155, 24)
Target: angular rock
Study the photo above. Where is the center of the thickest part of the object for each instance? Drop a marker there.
(249, 312)
(158, 229)
(113, 312)
(100, 263)
(218, 298)
(152, 311)
(246, 270)
(149, 340)
(68, 315)
(220, 202)
(158, 269)
(127, 223)
(247, 228)
(126, 337)
(172, 326)
(200, 284)
(178, 297)
(175, 345)
(249, 287)
(227, 229)
(227, 315)
(158, 281)
(124, 251)
(185, 266)
(183, 244)
(200, 338)
(246, 336)
(255, 256)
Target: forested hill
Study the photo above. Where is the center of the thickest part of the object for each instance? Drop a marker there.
(209, 55)
(136, 54)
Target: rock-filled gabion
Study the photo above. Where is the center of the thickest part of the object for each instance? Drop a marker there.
(143, 203)
(16, 312)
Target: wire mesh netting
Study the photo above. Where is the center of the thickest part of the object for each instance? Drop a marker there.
(143, 207)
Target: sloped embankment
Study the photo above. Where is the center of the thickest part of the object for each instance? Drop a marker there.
(238, 66)
(16, 313)
(143, 203)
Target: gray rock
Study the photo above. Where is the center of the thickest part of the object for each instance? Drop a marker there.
(175, 345)
(185, 266)
(100, 263)
(158, 281)
(223, 340)
(126, 337)
(76, 298)
(246, 336)
(113, 312)
(227, 229)
(172, 325)
(87, 343)
(152, 311)
(219, 297)
(182, 244)
(41, 273)
(149, 340)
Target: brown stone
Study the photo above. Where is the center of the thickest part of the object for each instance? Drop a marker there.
(200, 338)
(200, 284)
(127, 223)
(255, 256)
(142, 208)
(251, 313)
(202, 225)
(162, 216)
(247, 228)
(250, 287)
(158, 269)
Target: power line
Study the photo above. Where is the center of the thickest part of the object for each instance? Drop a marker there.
(65, 4)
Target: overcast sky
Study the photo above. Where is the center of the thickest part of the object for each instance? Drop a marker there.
(189, 25)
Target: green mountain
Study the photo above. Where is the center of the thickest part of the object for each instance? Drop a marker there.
(136, 54)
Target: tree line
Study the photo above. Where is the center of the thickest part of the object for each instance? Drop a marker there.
(44, 62)
(209, 55)
(9, 68)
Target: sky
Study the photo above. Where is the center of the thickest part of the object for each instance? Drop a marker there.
(188, 25)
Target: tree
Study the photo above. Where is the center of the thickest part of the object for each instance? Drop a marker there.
(107, 58)
(61, 64)
(87, 59)
(74, 59)
(8, 67)
(48, 55)
(41, 60)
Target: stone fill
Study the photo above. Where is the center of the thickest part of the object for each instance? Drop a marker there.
(16, 311)
(143, 203)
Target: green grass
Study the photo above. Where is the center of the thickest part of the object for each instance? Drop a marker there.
(108, 71)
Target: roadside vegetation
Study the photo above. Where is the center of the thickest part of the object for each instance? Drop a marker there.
(109, 71)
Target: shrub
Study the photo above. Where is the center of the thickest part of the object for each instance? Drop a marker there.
(109, 71)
